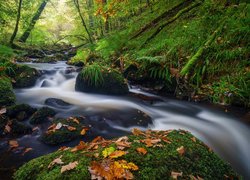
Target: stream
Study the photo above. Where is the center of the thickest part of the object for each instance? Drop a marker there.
(113, 116)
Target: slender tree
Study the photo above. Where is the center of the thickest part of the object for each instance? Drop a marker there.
(76, 2)
(17, 22)
(32, 24)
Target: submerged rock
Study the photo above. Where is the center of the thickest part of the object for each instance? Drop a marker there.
(153, 154)
(42, 115)
(58, 103)
(6, 92)
(97, 79)
(24, 76)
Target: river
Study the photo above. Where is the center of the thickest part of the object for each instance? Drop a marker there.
(112, 116)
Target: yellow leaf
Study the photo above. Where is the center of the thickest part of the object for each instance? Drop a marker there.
(181, 150)
(107, 151)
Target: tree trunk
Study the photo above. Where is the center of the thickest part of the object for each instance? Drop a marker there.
(76, 2)
(26, 34)
(17, 22)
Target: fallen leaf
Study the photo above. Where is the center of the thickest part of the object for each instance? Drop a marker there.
(35, 128)
(56, 161)
(7, 128)
(142, 151)
(107, 151)
(13, 144)
(166, 140)
(3, 111)
(137, 132)
(63, 148)
(181, 150)
(198, 178)
(84, 131)
(117, 154)
(58, 126)
(52, 127)
(71, 128)
(175, 175)
(26, 150)
(122, 143)
(150, 142)
(69, 166)
(82, 145)
(76, 121)
(193, 139)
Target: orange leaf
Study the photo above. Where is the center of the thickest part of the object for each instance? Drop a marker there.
(84, 130)
(13, 144)
(137, 132)
(117, 154)
(71, 128)
(181, 150)
(69, 166)
(141, 151)
(26, 150)
(82, 145)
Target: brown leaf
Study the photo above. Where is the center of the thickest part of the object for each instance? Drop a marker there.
(137, 132)
(197, 178)
(26, 150)
(71, 128)
(76, 121)
(166, 140)
(69, 166)
(7, 128)
(13, 144)
(193, 139)
(63, 148)
(142, 151)
(181, 150)
(117, 154)
(175, 175)
(175, 72)
(150, 142)
(58, 126)
(56, 161)
(3, 111)
(82, 145)
(122, 143)
(84, 131)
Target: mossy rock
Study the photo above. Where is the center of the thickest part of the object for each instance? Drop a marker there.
(6, 92)
(47, 59)
(157, 163)
(42, 115)
(24, 76)
(20, 111)
(100, 79)
(64, 134)
(16, 128)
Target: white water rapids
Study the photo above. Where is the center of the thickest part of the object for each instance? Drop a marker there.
(228, 137)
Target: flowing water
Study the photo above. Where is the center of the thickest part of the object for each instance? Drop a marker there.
(112, 116)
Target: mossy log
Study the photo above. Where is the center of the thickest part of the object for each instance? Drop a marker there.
(167, 14)
(200, 51)
(171, 20)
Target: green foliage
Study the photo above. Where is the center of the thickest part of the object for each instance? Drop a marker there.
(6, 51)
(93, 74)
(155, 66)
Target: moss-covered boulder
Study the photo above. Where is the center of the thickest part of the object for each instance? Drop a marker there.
(101, 79)
(147, 155)
(12, 127)
(64, 130)
(20, 111)
(6, 92)
(42, 115)
(23, 76)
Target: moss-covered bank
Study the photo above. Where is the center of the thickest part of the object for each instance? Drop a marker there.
(165, 152)
(6, 92)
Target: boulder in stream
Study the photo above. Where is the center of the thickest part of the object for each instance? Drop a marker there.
(23, 76)
(144, 155)
(42, 115)
(20, 111)
(6, 92)
(57, 103)
(100, 79)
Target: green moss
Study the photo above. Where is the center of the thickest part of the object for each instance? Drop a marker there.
(6, 92)
(63, 134)
(42, 115)
(101, 79)
(158, 163)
